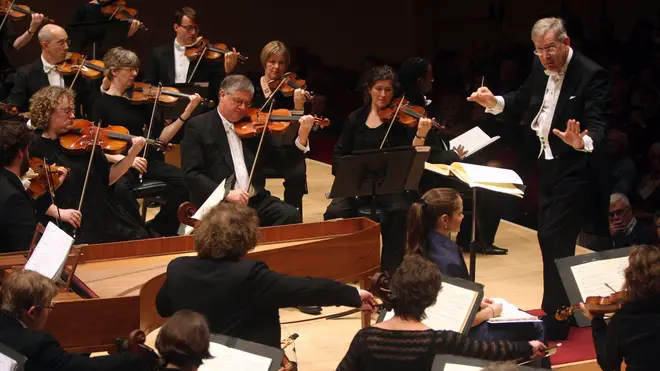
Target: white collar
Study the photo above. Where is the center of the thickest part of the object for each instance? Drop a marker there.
(178, 46)
(47, 66)
(228, 125)
(563, 69)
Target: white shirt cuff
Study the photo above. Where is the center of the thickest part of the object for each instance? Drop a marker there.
(304, 149)
(588, 144)
(499, 106)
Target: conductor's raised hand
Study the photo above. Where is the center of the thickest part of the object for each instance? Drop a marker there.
(238, 196)
(484, 97)
(572, 136)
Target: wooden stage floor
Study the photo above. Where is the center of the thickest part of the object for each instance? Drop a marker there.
(323, 343)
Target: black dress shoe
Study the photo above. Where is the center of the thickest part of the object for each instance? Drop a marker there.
(310, 309)
(491, 250)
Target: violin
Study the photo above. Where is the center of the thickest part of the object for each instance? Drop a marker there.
(211, 51)
(18, 11)
(185, 214)
(408, 114)
(112, 139)
(595, 304)
(291, 84)
(280, 119)
(9, 109)
(117, 9)
(92, 69)
(135, 344)
(45, 178)
(142, 93)
(287, 364)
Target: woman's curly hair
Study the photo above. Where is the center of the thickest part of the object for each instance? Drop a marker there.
(44, 101)
(642, 276)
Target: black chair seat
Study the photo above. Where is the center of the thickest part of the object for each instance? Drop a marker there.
(149, 188)
(365, 211)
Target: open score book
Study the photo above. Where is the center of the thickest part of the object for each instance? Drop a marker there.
(491, 178)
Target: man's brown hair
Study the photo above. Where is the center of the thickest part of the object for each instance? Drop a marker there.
(14, 137)
(186, 11)
(23, 289)
(184, 340)
(227, 231)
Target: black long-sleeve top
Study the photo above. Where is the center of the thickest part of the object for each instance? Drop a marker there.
(374, 348)
(632, 335)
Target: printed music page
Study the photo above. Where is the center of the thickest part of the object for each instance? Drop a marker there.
(226, 358)
(7, 364)
(457, 367)
(452, 308)
(49, 256)
(441, 169)
(511, 313)
(215, 198)
(473, 140)
(592, 277)
(492, 178)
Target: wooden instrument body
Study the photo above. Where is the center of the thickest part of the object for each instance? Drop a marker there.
(345, 250)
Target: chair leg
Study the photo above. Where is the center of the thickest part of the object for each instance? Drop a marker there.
(145, 202)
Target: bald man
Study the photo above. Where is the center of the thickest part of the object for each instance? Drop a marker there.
(42, 72)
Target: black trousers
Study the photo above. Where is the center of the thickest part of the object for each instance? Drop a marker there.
(489, 213)
(272, 211)
(288, 162)
(563, 198)
(394, 209)
(166, 222)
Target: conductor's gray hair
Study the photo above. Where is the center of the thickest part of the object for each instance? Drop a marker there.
(234, 83)
(616, 197)
(543, 25)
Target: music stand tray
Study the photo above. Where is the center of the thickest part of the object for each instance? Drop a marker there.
(274, 354)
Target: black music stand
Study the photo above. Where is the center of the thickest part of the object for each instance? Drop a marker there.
(275, 354)
(13, 356)
(379, 171)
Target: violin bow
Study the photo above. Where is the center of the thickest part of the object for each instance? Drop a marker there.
(51, 191)
(151, 122)
(387, 133)
(89, 167)
(82, 65)
(261, 140)
(199, 59)
(4, 19)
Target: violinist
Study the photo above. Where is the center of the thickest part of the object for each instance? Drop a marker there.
(44, 72)
(287, 155)
(114, 108)
(9, 37)
(169, 65)
(18, 213)
(633, 333)
(51, 112)
(363, 130)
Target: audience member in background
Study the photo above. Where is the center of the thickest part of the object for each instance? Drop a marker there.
(624, 228)
(622, 167)
(183, 341)
(405, 343)
(27, 300)
(646, 197)
(633, 334)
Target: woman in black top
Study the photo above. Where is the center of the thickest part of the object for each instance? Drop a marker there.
(51, 112)
(114, 108)
(405, 343)
(365, 130)
(633, 334)
(287, 154)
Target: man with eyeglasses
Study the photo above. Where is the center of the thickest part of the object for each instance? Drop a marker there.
(169, 64)
(568, 97)
(624, 228)
(43, 72)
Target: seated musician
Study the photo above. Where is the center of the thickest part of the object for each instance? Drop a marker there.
(115, 108)
(241, 297)
(169, 65)
(287, 155)
(364, 130)
(51, 112)
(183, 341)
(18, 214)
(212, 151)
(27, 299)
(43, 72)
(405, 343)
(633, 333)
(9, 37)
(430, 222)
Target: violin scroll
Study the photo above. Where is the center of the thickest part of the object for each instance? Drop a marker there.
(135, 344)
(380, 287)
(185, 214)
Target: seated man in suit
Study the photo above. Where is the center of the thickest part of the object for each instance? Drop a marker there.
(212, 151)
(43, 72)
(241, 297)
(624, 227)
(26, 303)
(169, 64)
(18, 214)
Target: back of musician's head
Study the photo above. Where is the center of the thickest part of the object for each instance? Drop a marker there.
(14, 137)
(117, 58)
(23, 289)
(425, 216)
(411, 72)
(275, 47)
(44, 102)
(227, 231)
(184, 340)
(378, 73)
(188, 12)
(642, 276)
(414, 285)
(234, 83)
(543, 25)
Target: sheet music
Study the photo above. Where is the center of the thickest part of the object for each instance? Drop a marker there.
(226, 358)
(7, 364)
(215, 198)
(591, 277)
(458, 367)
(441, 169)
(487, 174)
(50, 254)
(473, 140)
(511, 313)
